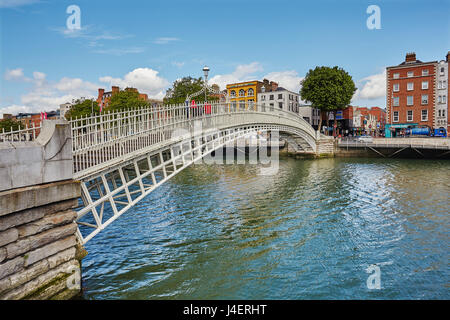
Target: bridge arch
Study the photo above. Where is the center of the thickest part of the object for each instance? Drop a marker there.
(121, 157)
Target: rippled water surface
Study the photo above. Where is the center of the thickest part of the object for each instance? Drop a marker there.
(309, 232)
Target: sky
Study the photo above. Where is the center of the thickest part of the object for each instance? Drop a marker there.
(150, 44)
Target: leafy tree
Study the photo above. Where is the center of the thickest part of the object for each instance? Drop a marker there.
(7, 124)
(82, 109)
(125, 99)
(328, 89)
(183, 87)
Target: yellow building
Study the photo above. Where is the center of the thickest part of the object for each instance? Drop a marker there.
(244, 94)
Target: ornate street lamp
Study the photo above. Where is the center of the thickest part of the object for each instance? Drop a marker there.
(205, 89)
(205, 72)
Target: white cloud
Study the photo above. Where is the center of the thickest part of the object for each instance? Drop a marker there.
(178, 64)
(16, 3)
(45, 95)
(15, 109)
(119, 51)
(146, 80)
(15, 75)
(371, 87)
(286, 79)
(242, 72)
(165, 40)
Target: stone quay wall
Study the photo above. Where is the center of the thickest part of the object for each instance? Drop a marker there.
(38, 247)
(39, 252)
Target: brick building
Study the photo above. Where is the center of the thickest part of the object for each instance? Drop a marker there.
(355, 121)
(416, 95)
(104, 97)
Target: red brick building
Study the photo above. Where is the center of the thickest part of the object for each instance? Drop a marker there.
(104, 97)
(358, 120)
(411, 95)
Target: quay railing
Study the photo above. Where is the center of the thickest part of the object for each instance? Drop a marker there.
(418, 143)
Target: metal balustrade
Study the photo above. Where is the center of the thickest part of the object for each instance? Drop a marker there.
(20, 135)
(105, 139)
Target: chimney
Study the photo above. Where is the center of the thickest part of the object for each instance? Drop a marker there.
(410, 57)
(100, 94)
(448, 57)
(274, 85)
(115, 89)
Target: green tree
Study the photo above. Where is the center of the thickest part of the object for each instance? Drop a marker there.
(183, 87)
(7, 124)
(126, 99)
(328, 89)
(82, 109)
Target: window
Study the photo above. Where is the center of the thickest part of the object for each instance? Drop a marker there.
(396, 75)
(396, 87)
(271, 97)
(280, 104)
(424, 99)
(439, 99)
(409, 115)
(410, 86)
(424, 115)
(396, 101)
(443, 113)
(280, 96)
(444, 84)
(439, 113)
(424, 85)
(425, 72)
(296, 98)
(409, 100)
(442, 70)
(242, 93)
(410, 74)
(241, 104)
(444, 99)
(263, 98)
(395, 116)
(251, 92)
(233, 93)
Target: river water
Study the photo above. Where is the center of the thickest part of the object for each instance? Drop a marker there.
(309, 232)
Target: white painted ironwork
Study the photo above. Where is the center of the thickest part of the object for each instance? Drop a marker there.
(121, 157)
(25, 134)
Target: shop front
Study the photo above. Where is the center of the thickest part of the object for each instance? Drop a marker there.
(398, 129)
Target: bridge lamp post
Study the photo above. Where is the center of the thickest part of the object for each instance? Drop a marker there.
(205, 72)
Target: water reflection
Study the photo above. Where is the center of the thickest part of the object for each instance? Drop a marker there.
(310, 232)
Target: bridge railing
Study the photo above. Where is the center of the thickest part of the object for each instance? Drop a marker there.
(102, 138)
(20, 135)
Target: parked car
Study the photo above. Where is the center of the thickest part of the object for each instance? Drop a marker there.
(366, 139)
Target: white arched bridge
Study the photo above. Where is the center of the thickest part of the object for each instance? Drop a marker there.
(120, 157)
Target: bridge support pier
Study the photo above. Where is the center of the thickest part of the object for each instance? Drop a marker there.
(39, 251)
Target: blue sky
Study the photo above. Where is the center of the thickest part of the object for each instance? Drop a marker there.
(149, 44)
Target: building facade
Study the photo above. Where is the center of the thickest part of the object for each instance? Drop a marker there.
(309, 114)
(273, 96)
(442, 93)
(413, 95)
(244, 94)
(104, 98)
